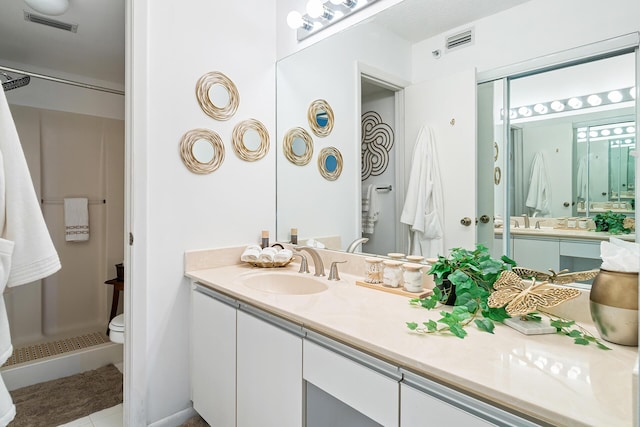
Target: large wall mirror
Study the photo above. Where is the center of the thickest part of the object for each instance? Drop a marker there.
(571, 133)
(374, 66)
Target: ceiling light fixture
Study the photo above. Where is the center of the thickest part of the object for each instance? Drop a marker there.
(49, 7)
(320, 14)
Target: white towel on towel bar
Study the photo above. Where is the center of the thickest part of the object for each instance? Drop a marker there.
(76, 219)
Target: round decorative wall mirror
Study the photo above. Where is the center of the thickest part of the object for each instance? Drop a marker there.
(250, 140)
(298, 146)
(330, 163)
(320, 117)
(217, 95)
(202, 151)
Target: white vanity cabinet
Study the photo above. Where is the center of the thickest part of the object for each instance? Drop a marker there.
(269, 372)
(366, 384)
(246, 365)
(213, 357)
(536, 253)
(426, 403)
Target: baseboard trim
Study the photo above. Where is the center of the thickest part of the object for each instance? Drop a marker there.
(175, 419)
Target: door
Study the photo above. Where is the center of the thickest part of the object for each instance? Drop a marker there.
(448, 106)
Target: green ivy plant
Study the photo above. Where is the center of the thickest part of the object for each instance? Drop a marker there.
(472, 274)
(611, 222)
(569, 328)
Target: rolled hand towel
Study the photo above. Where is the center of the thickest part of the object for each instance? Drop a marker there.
(267, 254)
(283, 255)
(251, 253)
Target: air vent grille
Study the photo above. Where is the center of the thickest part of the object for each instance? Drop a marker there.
(459, 40)
(37, 19)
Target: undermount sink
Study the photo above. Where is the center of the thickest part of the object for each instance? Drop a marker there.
(284, 283)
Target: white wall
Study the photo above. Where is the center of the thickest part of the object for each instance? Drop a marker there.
(533, 29)
(174, 210)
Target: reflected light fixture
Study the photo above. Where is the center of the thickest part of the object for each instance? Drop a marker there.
(321, 14)
(49, 7)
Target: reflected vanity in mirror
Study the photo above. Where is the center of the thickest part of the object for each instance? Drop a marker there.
(250, 140)
(217, 95)
(201, 150)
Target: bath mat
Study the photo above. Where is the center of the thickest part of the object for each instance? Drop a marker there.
(60, 401)
(39, 351)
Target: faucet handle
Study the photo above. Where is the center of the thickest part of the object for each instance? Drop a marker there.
(537, 225)
(304, 265)
(516, 224)
(333, 271)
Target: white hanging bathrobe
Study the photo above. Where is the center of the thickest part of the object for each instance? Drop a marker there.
(27, 253)
(423, 208)
(539, 195)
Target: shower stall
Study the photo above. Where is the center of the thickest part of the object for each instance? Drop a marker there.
(58, 324)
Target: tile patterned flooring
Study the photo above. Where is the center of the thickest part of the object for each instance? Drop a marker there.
(110, 417)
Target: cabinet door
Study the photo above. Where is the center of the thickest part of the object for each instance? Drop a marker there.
(213, 360)
(420, 409)
(369, 392)
(539, 254)
(269, 374)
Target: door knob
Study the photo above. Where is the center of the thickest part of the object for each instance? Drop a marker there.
(466, 221)
(565, 204)
(484, 219)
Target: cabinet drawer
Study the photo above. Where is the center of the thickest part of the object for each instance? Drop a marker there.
(580, 249)
(369, 392)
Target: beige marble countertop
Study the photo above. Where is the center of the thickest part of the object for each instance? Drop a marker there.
(545, 377)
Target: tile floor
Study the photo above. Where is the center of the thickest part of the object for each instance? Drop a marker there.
(110, 417)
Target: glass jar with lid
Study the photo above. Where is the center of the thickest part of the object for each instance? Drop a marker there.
(373, 270)
(393, 273)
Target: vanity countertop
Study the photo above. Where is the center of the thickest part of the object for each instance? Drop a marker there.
(546, 377)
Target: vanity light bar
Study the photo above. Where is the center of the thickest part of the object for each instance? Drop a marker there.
(574, 103)
(322, 14)
(619, 133)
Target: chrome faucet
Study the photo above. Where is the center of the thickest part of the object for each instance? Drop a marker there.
(304, 266)
(353, 245)
(317, 261)
(526, 221)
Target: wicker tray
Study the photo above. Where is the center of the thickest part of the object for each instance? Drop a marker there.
(263, 264)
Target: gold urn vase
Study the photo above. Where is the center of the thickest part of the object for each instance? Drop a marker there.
(614, 306)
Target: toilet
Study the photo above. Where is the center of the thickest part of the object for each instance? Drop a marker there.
(116, 329)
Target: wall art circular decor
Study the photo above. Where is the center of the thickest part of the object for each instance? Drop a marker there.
(250, 140)
(330, 163)
(320, 117)
(377, 141)
(201, 150)
(217, 95)
(298, 146)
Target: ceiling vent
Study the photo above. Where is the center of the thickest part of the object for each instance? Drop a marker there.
(465, 38)
(32, 17)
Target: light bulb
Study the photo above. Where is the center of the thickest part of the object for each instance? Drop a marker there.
(294, 19)
(614, 96)
(582, 135)
(605, 132)
(574, 103)
(617, 131)
(557, 106)
(315, 8)
(524, 111)
(593, 134)
(594, 100)
(49, 7)
(631, 129)
(540, 108)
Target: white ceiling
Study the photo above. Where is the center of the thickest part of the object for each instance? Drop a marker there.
(96, 51)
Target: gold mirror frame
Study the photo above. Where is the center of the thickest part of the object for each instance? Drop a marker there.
(322, 163)
(314, 108)
(204, 85)
(186, 151)
(287, 146)
(241, 149)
